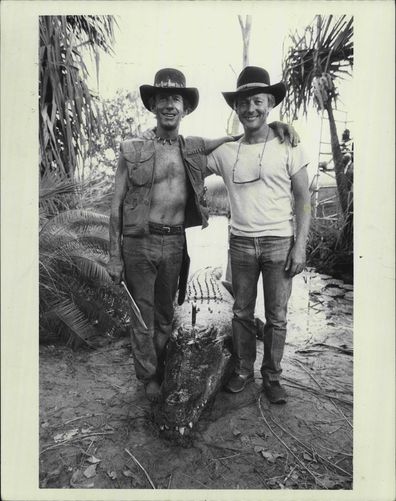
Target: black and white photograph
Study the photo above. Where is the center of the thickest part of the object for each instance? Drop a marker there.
(199, 254)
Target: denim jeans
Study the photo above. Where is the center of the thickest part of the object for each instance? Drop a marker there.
(152, 266)
(251, 256)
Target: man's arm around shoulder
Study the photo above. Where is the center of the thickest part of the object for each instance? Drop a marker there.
(212, 144)
(206, 146)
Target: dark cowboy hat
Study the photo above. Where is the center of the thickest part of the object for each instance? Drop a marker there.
(169, 80)
(253, 78)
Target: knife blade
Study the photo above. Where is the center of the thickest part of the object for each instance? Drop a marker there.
(135, 307)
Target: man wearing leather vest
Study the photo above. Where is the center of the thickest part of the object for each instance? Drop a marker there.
(159, 191)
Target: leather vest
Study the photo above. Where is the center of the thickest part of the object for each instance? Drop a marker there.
(139, 156)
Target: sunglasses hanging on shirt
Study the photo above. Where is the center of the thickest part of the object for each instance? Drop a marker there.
(237, 179)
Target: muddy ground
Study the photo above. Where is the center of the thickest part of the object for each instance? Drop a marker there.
(93, 412)
(96, 429)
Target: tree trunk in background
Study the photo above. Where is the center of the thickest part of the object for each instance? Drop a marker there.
(246, 38)
(342, 186)
(233, 122)
(346, 235)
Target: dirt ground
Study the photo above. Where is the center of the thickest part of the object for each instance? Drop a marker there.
(96, 429)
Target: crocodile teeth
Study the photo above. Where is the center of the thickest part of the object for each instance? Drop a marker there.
(181, 430)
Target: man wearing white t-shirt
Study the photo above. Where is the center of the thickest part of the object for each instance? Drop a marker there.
(265, 180)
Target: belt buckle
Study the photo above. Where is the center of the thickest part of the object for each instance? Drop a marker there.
(166, 229)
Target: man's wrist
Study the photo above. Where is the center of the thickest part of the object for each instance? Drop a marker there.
(228, 139)
(236, 138)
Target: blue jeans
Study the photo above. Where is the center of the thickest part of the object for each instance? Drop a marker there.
(152, 266)
(251, 256)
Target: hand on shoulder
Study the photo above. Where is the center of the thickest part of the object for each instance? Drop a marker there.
(285, 131)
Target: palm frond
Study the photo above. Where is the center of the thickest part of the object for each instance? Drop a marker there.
(59, 194)
(53, 186)
(76, 255)
(90, 269)
(73, 245)
(55, 238)
(76, 220)
(326, 53)
(68, 111)
(98, 243)
(56, 193)
(74, 320)
(94, 31)
(96, 238)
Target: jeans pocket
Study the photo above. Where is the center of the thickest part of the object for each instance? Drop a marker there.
(276, 249)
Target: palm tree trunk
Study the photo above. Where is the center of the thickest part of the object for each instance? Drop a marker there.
(346, 235)
(342, 186)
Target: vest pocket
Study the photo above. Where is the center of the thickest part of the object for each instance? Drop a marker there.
(140, 167)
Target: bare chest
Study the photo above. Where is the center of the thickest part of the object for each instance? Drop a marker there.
(169, 165)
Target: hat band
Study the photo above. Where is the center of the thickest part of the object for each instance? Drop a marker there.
(168, 83)
(250, 85)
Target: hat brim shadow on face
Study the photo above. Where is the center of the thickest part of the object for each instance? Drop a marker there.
(277, 90)
(190, 94)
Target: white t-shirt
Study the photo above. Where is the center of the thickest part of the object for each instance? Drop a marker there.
(265, 206)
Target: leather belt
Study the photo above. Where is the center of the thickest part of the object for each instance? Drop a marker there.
(163, 229)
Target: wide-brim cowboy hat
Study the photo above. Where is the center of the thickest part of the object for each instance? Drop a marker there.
(253, 78)
(169, 80)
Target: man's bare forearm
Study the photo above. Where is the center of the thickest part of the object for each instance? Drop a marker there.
(115, 231)
(303, 220)
(212, 144)
(302, 205)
